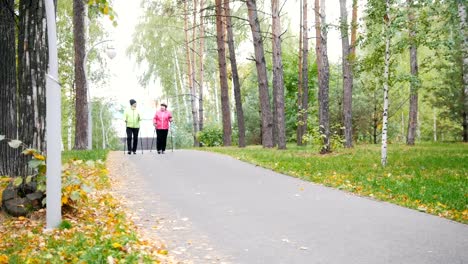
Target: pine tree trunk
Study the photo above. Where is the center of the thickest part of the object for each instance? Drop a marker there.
(201, 69)
(8, 87)
(220, 41)
(278, 80)
(267, 119)
(413, 103)
(81, 86)
(193, 55)
(305, 69)
(385, 85)
(463, 26)
(33, 63)
(354, 26)
(190, 78)
(299, 134)
(323, 74)
(347, 77)
(235, 76)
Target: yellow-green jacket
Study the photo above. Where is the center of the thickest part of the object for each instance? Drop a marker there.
(132, 118)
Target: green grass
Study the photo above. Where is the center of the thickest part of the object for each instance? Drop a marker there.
(428, 177)
(98, 154)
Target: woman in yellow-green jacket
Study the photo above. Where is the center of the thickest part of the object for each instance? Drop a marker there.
(132, 121)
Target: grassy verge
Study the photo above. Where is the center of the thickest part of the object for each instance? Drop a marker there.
(94, 229)
(98, 154)
(429, 177)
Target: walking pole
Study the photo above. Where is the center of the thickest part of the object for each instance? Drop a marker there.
(152, 140)
(125, 147)
(172, 140)
(141, 144)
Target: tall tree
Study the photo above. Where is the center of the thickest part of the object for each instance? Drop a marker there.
(201, 68)
(305, 68)
(265, 107)
(235, 75)
(81, 86)
(354, 26)
(33, 62)
(413, 102)
(386, 82)
(278, 80)
(347, 77)
(190, 77)
(8, 99)
(323, 74)
(220, 41)
(299, 130)
(464, 33)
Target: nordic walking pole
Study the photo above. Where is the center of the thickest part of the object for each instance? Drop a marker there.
(152, 140)
(141, 144)
(172, 140)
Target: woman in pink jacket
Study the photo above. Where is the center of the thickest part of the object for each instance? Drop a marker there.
(161, 123)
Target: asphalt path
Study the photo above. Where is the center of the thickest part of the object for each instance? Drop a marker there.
(242, 213)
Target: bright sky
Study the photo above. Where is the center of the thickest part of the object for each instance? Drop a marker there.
(124, 72)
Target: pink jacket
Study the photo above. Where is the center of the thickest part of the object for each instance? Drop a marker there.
(162, 119)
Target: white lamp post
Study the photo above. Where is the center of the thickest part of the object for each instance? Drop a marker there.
(53, 126)
(111, 53)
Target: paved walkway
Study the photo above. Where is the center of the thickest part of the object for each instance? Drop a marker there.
(211, 208)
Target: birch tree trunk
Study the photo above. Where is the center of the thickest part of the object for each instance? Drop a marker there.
(464, 33)
(220, 41)
(299, 134)
(265, 107)
(182, 87)
(81, 86)
(278, 80)
(385, 84)
(201, 68)
(33, 63)
(8, 87)
(190, 78)
(235, 76)
(305, 69)
(323, 74)
(347, 77)
(413, 103)
(435, 125)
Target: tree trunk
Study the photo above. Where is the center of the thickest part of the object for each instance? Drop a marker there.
(462, 15)
(225, 108)
(81, 86)
(385, 84)
(354, 27)
(413, 104)
(33, 63)
(347, 77)
(8, 87)
(190, 78)
(299, 134)
(278, 80)
(200, 67)
(267, 119)
(235, 76)
(181, 84)
(305, 69)
(323, 74)
(193, 56)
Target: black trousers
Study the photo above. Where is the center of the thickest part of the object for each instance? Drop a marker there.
(132, 131)
(161, 139)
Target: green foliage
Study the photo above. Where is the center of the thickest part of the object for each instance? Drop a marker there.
(96, 154)
(314, 138)
(211, 136)
(427, 177)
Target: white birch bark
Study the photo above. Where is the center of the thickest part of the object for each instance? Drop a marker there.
(385, 84)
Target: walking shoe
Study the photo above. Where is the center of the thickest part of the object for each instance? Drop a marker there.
(134, 152)
(163, 152)
(129, 153)
(159, 152)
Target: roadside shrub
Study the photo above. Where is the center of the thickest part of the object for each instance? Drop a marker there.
(211, 136)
